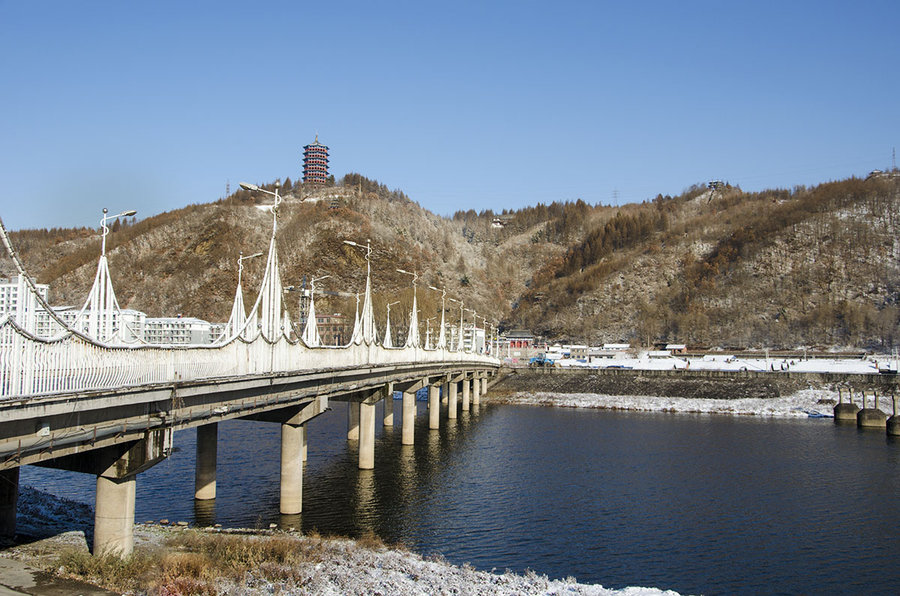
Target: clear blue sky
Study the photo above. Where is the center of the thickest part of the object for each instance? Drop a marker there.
(156, 105)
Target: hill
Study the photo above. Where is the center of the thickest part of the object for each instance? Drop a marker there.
(781, 268)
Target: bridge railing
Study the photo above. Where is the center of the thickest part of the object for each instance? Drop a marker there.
(31, 366)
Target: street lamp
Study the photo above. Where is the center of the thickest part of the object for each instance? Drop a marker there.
(442, 341)
(368, 247)
(241, 259)
(105, 228)
(412, 336)
(459, 340)
(388, 342)
(255, 188)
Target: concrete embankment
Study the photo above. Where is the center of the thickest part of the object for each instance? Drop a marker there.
(701, 384)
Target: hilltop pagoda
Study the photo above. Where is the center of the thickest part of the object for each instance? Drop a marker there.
(315, 163)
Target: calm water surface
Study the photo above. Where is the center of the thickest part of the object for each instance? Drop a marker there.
(697, 504)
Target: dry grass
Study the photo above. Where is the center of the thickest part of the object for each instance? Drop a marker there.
(192, 562)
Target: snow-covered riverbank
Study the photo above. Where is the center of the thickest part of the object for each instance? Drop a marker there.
(802, 404)
(341, 566)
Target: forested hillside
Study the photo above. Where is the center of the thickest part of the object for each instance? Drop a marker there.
(782, 268)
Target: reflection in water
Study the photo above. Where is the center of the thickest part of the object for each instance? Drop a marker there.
(204, 512)
(366, 505)
(291, 522)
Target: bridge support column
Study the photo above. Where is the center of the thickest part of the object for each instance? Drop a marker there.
(114, 516)
(292, 468)
(445, 394)
(9, 496)
(409, 417)
(466, 386)
(476, 392)
(116, 468)
(484, 383)
(388, 404)
(303, 449)
(205, 464)
(366, 436)
(434, 407)
(451, 404)
(353, 421)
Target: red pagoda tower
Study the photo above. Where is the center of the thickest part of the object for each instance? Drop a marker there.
(315, 162)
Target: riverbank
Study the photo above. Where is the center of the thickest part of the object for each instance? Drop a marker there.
(712, 392)
(181, 560)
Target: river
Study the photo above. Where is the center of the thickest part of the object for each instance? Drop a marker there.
(693, 503)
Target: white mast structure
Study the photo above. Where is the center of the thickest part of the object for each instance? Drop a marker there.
(238, 319)
(311, 331)
(442, 336)
(364, 326)
(388, 343)
(97, 317)
(269, 301)
(412, 338)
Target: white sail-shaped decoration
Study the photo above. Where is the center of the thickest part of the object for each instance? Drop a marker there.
(271, 291)
(442, 335)
(97, 317)
(356, 338)
(388, 343)
(460, 342)
(311, 330)
(368, 316)
(238, 315)
(412, 338)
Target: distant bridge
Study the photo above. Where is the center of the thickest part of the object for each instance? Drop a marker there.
(94, 398)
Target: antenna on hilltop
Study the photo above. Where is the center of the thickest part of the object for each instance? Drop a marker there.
(893, 159)
(227, 188)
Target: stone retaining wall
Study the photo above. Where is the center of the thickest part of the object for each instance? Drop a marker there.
(683, 383)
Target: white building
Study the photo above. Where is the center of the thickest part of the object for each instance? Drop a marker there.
(17, 301)
(178, 331)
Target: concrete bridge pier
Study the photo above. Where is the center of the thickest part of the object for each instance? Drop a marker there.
(117, 468)
(434, 407)
(293, 421)
(9, 497)
(871, 417)
(845, 412)
(353, 421)
(409, 417)
(291, 490)
(445, 393)
(484, 384)
(205, 463)
(452, 400)
(466, 388)
(893, 423)
(388, 394)
(366, 436)
(476, 392)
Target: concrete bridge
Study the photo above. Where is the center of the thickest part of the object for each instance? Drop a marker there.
(115, 434)
(94, 398)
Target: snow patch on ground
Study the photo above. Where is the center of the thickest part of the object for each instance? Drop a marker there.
(802, 404)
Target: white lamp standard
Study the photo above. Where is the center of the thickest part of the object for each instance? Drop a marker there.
(412, 338)
(241, 259)
(105, 229)
(388, 343)
(366, 332)
(442, 340)
(459, 336)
